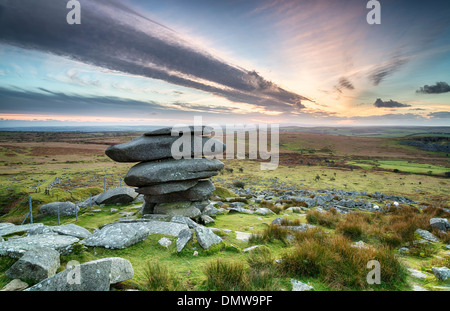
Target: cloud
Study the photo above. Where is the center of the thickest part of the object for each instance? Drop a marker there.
(438, 88)
(440, 115)
(114, 37)
(377, 75)
(345, 83)
(56, 103)
(389, 104)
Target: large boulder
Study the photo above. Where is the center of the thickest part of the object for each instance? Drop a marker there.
(202, 191)
(118, 235)
(95, 275)
(150, 148)
(36, 264)
(63, 208)
(151, 173)
(120, 195)
(167, 187)
(16, 248)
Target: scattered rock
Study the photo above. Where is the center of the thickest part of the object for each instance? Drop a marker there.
(243, 236)
(427, 235)
(248, 249)
(121, 195)
(263, 211)
(118, 235)
(205, 219)
(95, 275)
(8, 228)
(14, 286)
(184, 237)
(65, 208)
(298, 286)
(239, 210)
(16, 248)
(417, 274)
(206, 238)
(442, 273)
(184, 220)
(440, 223)
(165, 242)
(36, 264)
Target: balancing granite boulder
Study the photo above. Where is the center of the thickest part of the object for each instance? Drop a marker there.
(202, 191)
(152, 173)
(149, 148)
(205, 130)
(168, 187)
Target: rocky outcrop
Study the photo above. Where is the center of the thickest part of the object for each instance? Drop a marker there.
(164, 178)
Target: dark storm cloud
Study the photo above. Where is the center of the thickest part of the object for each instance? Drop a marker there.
(438, 88)
(384, 70)
(389, 104)
(113, 36)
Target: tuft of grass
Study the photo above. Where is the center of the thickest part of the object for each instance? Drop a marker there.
(225, 275)
(333, 260)
(327, 219)
(159, 278)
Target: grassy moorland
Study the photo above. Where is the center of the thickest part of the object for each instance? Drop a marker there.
(73, 166)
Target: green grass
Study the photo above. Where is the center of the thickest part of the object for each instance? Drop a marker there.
(401, 165)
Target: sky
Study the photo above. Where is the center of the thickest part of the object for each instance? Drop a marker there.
(298, 62)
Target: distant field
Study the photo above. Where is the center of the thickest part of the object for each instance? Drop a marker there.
(30, 162)
(373, 131)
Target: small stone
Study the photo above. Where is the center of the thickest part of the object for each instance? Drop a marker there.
(14, 286)
(442, 273)
(165, 242)
(417, 274)
(298, 286)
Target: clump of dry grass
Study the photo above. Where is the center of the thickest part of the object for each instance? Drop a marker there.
(333, 260)
(327, 219)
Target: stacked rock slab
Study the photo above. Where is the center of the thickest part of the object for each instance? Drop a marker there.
(163, 179)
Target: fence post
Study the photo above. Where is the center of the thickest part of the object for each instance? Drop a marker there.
(76, 212)
(31, 208)
(90, 202)
(58, 216)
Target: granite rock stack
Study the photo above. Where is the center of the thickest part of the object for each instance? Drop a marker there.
(170, 186)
